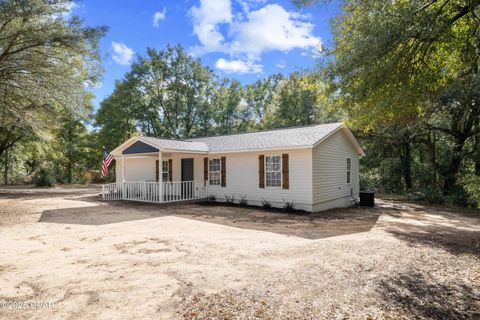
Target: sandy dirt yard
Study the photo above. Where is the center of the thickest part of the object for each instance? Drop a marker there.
(123, 260)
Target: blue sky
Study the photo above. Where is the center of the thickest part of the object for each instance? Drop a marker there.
(241, 39)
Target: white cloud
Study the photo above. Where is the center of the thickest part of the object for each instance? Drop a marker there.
(272, 28)
(246, 35)
(123, 55)
(281, 64)
(159, 16)
(238, 66)
(206, 19)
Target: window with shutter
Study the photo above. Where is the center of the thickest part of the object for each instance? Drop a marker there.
(214, 172)
(273, 171)
(165, 171)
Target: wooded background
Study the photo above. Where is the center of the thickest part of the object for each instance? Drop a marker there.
(404, 75)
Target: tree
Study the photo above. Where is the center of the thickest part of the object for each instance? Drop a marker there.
(73, 144)
(45, 63)
(410, 63)
(227, 108)
(456, 113)
(260, 97)
(299, 101)
(171, 88)
(116, 116)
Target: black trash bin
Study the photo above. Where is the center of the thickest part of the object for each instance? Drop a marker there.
(367, 198)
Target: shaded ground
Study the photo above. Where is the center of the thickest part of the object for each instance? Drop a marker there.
(133, 260)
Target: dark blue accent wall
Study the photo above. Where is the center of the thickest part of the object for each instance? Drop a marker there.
(139, 147)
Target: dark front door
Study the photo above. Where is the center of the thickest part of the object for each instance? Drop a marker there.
(187, 175)
(187, 169)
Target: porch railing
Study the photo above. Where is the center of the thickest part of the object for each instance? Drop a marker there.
(149, 191)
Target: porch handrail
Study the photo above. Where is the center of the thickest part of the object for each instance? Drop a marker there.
(149, 191)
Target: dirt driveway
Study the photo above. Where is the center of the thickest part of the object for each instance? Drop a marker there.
(92, 259)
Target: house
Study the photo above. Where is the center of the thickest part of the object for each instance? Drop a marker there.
(315, 166)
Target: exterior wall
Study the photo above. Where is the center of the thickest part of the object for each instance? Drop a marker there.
(242, 179)
(136, 168)
(330, 188)
(142, 167)
(177, 164)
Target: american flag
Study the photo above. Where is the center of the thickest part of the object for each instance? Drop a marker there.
(107, 159)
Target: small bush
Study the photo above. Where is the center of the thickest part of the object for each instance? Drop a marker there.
(471, 185)
(211, 198)
(266, 205)
(93, 176)
(43, 178)
(243, 200)
(432, 196)
(288, 206)
(229, 200)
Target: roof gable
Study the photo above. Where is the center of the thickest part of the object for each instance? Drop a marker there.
(139, 147)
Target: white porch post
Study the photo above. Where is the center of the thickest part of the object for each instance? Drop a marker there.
(123, 176)
(160, 176)
(123, 168)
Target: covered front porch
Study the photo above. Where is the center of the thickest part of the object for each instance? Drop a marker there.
(149, 172)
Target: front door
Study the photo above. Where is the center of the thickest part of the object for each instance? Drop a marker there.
(187, 175)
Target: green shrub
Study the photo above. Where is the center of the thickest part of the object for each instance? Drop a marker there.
(288, 206)
(243, 200)
(432, 196)
(211, 198)
(229, 200)
(43, 178)
(471, 186)
(266, 205)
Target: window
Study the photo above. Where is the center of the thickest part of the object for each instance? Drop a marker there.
(273, 171)
(214, 172)
(165, 170)
(349, 169)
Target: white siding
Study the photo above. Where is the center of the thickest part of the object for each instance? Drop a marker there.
(138, 169)
(330, 188)
(242, 179)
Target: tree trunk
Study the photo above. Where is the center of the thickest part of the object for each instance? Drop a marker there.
(406, 159)
(69, 172)
(450, 175)
(5, 172)
(432, 155)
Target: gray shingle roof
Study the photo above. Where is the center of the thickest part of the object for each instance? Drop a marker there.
(298, 137)
(176, 144)
(271, 139)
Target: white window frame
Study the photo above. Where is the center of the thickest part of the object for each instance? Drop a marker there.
(166, 178)
(219, 172)
(349, 170)
(280, 171)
